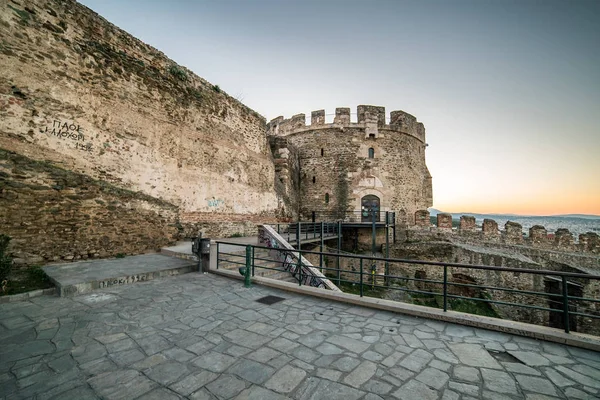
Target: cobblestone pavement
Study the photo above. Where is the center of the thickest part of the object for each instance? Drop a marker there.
(204, 337)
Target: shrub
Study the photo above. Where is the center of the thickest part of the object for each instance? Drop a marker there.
(178, 73)
(216, 88)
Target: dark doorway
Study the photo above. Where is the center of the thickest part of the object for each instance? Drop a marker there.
(369, 208)
(556, 319)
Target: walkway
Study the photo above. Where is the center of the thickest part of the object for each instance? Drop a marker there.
(201, 336)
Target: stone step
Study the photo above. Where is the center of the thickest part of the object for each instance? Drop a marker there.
(85, 276)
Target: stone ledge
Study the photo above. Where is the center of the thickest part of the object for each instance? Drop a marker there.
(494, 324)
(28, 295)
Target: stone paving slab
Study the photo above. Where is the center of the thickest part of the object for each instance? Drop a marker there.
(84, 276)
(202, 336)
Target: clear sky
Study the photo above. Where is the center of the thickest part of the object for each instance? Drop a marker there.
(508, 90)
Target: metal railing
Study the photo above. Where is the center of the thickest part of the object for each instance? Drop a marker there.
(359, 274)
(364, 217)
(308, 231)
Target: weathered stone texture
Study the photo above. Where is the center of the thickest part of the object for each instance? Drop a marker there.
(343, 162)
(444, 221)
(467, 223)
(78, 92)
(422, 218)
(490, 228)
(54, 214)
(513, 232)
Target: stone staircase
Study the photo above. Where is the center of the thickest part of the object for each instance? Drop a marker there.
(233, 261)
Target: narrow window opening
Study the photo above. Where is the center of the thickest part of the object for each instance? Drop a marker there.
(322, 152)
(371, 136)
(326, 198)
(314, 179)
(371, 152)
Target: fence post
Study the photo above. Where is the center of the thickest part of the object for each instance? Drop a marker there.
(361, 277)
(299, 268)
(339, 246)
(565, 293)
(445, 288)
(298, 234)
(321, 248)
(253, 260)
(217, 255)
(248, 264)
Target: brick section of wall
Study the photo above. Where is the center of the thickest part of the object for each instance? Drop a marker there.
(467, 223)
(53, 214)
(444, 221)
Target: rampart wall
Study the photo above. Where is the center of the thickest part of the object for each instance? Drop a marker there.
(79, 93)
(342, 162)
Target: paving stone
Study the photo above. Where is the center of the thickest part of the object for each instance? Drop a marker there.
(464, 388)
(213, 361)
(577, 377)
(247, 339)
(433, 378)
(520, 369)
(322, 389)
(105, 339)
(193, 382)
(149, 362)
(557, 378)
(178, 354)
(473, 355)
(259, 393)
(346, 364)
(286, 379)
(535, 384)
(329, 349)
(200, 346)
(377, 386)
(361, 374)
(442, 366)
(202, 394)
(468, 374)
(416, 360)
(498, 381)
(573, 393)
(154, 344)
(167, 372)
(459, 331)
(161, 394)
(330, 374)
(226, 386)
(251, 371)
(446, 356)
(121, 345)
(127, 357)
(353, 345)
(305, 354)
(392, 359)
(123, 384)
(450, 395)
(416, 390)
(530, 358)
(263, 354)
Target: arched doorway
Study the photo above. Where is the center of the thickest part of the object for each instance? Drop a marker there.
(369, 208)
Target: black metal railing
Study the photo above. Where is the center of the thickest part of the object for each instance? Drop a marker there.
(363, 217)
(307, 231)
(361, 275)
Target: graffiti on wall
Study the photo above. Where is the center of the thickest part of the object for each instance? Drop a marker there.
(69, 132)
(216, 203)
(64, 131)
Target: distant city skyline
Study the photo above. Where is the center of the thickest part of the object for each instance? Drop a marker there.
(508, 91)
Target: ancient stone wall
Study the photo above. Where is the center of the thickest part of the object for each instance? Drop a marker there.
(342, 162)
(54, 214)
(80, 93)
(287, 175)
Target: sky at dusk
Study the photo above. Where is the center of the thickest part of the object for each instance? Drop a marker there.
(508, 90)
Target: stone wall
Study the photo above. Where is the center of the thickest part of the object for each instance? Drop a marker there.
(79, 93)
(54, 214)
(287, 176)
(342, 162)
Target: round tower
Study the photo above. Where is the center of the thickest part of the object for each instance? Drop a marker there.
(362, 166)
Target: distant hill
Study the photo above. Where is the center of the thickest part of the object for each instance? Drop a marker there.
(435, 211)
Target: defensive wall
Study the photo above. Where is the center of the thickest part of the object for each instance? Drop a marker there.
(82, 102)
(342, 163)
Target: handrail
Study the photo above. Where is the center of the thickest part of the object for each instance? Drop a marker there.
(367, 278)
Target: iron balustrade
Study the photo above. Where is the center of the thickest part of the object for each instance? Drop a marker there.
(360, 216)
(367, 281)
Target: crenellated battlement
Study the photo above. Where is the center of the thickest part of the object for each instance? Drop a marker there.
(513, 234)
(370, 118)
